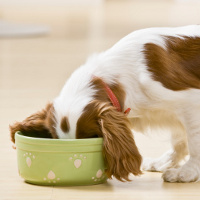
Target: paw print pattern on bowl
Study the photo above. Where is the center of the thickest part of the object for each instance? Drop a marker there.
(99, 176)
(29, 158)
(51, 177)
(78, 159)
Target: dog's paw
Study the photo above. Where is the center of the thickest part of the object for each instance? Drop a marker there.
(155, 165)
(166, 161)
(183, 174)
(150, 164)
(161, 164)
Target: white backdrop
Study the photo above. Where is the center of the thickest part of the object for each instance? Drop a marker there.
(48, 2)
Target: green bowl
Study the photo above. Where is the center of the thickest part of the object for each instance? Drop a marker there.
(60, 161)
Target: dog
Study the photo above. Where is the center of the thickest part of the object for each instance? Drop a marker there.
(149, 79)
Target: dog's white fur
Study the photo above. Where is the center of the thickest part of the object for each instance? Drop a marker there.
(152, 104)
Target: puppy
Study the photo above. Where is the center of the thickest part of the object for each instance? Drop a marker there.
(149, 79)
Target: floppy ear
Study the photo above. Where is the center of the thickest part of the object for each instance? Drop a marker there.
(40, 124)
(120, 151)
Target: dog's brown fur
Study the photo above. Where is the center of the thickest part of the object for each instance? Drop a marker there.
(40, 124)
(65, 127)
(121, 154)
(175, 67)
(120, 151)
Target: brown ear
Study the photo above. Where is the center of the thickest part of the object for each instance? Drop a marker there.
(120, 151)
(40, 124)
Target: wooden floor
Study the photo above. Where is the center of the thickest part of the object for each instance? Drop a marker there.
(33, 70)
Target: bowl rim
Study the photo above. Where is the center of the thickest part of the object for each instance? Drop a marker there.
(20, 138)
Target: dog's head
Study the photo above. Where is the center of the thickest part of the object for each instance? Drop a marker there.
(99, 118)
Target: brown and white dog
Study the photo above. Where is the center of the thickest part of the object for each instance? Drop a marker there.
(154, 72)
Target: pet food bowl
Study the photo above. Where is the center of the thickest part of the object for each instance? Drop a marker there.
(60, 161)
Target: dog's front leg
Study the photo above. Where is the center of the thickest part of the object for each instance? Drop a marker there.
(173, 157)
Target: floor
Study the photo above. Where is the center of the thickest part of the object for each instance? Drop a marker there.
(34, 69)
